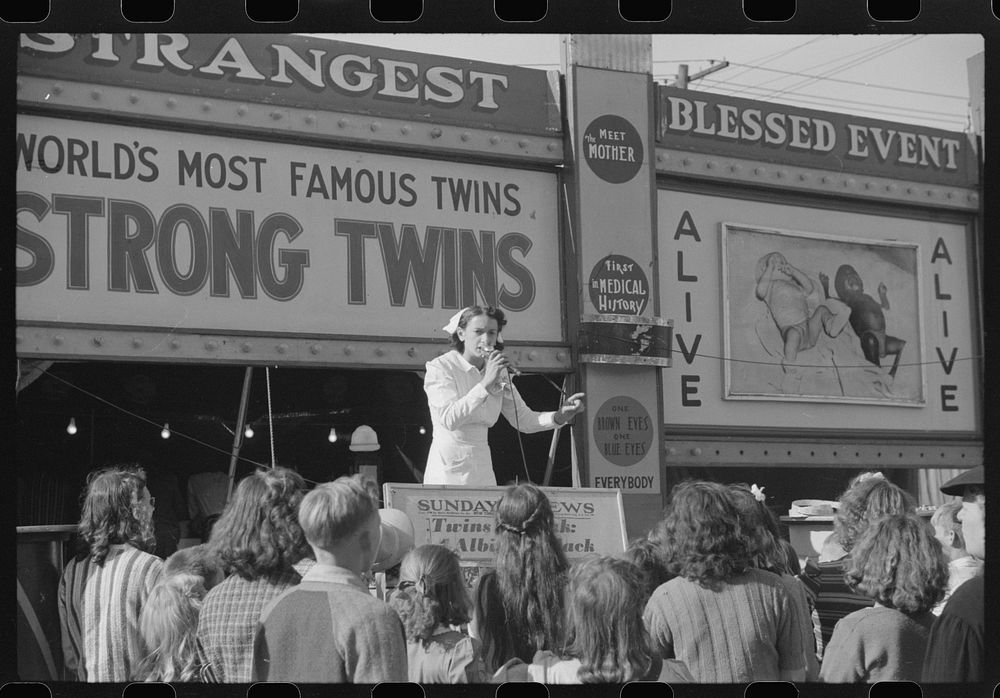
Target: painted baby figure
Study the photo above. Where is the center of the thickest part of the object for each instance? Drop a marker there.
(789, 294)
(867, 316)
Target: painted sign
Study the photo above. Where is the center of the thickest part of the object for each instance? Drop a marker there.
(153, 228)
(779, 133)
(613, 148)
(623, 430)
(906, 282)
(305, 72)
(785, 317)
(624, 339)
(587, 521)
(619, 285)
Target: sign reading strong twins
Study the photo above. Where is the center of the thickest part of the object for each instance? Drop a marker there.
(273, 237)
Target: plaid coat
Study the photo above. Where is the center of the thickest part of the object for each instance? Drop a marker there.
(228, 621)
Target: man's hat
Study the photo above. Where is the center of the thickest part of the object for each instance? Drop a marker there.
(972, 477)
(397, 539)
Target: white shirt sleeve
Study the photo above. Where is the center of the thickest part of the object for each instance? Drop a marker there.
(444, 397)
(521, 417)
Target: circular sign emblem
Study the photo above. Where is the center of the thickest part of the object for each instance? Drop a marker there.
(618, 286)
(623, 431)
(613, 149)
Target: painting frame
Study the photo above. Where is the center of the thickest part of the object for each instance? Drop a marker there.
(834, 340)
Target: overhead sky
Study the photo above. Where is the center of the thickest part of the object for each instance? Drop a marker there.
(912, 78)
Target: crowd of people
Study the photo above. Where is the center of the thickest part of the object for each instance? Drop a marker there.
(713, 594)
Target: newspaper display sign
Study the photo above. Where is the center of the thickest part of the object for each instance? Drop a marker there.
(587, 520)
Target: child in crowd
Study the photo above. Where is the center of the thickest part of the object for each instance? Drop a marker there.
(728, 621)
(431, 599)
(961, 565)
(868, 498)
(646, 554)
(899, 564)
(606, 640)
(519, 605)
(763, 537)
(258, 539)
(169, 618)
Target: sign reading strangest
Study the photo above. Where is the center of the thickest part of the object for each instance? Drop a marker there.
(779, 133)
(306, 72)
(587, 521)
(153, 228)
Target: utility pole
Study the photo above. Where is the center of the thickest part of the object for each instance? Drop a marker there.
(684, 79)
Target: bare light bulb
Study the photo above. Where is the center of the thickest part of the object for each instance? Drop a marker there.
(332, 437)
(423, 429)
(71, 427)
(248, 432)
(165, 433)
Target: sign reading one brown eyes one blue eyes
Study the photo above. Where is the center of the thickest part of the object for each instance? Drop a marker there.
(613, 148)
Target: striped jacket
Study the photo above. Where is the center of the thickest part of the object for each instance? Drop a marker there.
(99, 608)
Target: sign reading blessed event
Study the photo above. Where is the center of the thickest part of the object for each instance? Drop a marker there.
(587, 521)
(710, 123)
(275, 237)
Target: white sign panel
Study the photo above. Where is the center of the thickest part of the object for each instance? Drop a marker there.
(790, 317)
(138, 227)
(587, 521)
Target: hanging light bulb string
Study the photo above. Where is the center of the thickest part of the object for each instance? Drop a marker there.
(144, 419)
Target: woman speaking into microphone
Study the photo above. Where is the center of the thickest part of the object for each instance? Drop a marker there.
(467, 390)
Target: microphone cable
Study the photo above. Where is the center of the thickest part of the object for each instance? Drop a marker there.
(517, 425)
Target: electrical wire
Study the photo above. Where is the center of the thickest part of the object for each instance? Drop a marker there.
(853, 82)
(821, 101)
(851, 64)
(784, 52)
(849, 60)
(149, 421)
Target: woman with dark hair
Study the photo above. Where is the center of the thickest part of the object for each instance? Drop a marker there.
(467, 390)
(763, 537)
(868, 498)
(518, 605)
(727, 620)
(257, 539)
(899, 564)
(102, 590)
(606, 641)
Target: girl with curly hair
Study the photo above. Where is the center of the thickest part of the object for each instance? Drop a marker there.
(169, 619)
(104, 587)
(899, 564)
(763, 537)
(647, 554)
(868, 498)
(258, 539)
(606, 641)
(519, 604)
(431, 599)
(727, 620)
